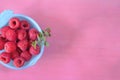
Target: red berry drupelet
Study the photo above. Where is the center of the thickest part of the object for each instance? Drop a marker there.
(19, 50)
(14, 55)
(2, 42)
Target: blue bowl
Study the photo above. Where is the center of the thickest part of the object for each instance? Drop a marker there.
(34, 59)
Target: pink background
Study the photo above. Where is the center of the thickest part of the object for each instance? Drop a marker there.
(85, 42)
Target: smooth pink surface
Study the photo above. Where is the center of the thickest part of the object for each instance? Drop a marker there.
(85, 42)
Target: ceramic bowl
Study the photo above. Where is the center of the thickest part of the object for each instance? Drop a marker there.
(34, 59)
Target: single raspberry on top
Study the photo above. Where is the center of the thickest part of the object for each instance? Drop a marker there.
(3, 31)
(33, 34)
(19, 61)
(11, 35)
(14, 23)
(25, 25)
(22, 34)
(34, 51)
(26, 55)
(5, 57)
(23, 45)
(10, 47)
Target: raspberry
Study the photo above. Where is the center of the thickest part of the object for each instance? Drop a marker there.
(14, 55)
(5, 57)
(26, 55)
(25, 25)
(23, 45)
(10, 47)
(2, 42)
(33, 34)
(22, 34)
(19, 61)
(34, 51)
(14, 23)
(11, 35)
(3, 31)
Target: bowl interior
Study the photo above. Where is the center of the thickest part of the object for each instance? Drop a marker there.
(34, 58)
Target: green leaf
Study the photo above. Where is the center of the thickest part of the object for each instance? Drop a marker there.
(41, 38)
(38, 37)
(34, 43)
(48, 29)
(46, 43)
(39, 43)
(47, 34)
(44, 38)
(43, 31)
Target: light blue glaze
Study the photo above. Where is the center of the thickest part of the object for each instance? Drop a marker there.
(5, 17)
(5, 20)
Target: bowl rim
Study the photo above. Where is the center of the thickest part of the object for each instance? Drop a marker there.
(34, 61)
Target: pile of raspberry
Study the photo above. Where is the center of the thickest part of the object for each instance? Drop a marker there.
(15, 41)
